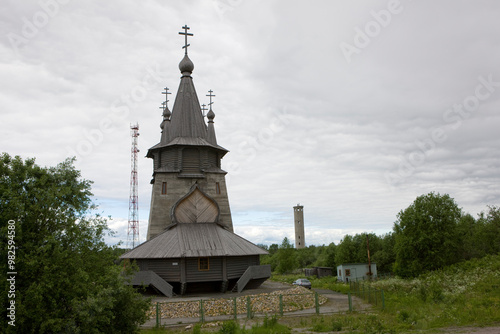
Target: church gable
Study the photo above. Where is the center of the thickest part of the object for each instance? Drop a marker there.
(196, 207)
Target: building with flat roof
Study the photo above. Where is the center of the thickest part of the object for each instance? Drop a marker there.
(355, 271)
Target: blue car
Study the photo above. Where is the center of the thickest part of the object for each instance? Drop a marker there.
(303, 282)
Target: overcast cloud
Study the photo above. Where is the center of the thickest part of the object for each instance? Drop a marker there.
(352, 109)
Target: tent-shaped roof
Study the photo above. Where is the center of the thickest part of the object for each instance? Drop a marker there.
(194, 240)
(186, 124)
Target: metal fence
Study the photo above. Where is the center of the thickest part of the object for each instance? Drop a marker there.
(367, 293)
(230, 308)
(309, 303)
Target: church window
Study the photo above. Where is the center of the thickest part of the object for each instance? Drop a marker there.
(217, 188)
(164, 188)
(203, 264)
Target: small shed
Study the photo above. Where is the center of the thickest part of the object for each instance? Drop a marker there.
(319, 271)
(355, 271)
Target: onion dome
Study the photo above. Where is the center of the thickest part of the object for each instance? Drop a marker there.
(166, 114)
(186, 66)
(211, 115)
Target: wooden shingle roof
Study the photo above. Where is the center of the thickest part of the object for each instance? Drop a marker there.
(186, 126)
(194, 240)
(188, 141)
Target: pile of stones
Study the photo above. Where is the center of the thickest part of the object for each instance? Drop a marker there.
(296, 298)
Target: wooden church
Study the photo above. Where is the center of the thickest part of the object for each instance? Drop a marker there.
(190, 243)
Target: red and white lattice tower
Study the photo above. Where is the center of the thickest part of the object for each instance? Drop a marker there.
(133, 204)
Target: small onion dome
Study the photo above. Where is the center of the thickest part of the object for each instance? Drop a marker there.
(186, 65)
(166, 113)
(211, 115)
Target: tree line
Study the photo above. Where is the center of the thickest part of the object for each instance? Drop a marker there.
(431, 233)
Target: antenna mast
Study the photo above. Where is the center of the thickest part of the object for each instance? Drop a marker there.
(133, 204)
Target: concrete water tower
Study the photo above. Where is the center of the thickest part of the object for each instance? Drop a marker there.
(298, 216)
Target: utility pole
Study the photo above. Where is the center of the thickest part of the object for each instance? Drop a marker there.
(369, 261)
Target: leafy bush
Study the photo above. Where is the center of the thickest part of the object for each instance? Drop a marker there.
(270, 326)
(270, 322)
(320, 326)
(197, 329)
(336, 326)
(229, 327)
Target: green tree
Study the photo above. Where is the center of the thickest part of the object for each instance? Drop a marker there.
(273, 249)
(67, 281)
(326, 258)
(306, 256)
(263, 246)
(488, 232)
(426, 235)
(384, 255)
(286, 257)
(354, 249)
(469, 233)
(345, 250)
(271, 258)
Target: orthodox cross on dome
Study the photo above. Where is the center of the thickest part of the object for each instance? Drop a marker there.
(166, 92)
(162, 106)
(210, 95)
(203, 109)
(186, 34)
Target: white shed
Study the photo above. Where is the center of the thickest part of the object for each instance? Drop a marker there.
(355, 271)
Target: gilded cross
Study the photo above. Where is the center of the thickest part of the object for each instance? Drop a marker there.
(186, 34)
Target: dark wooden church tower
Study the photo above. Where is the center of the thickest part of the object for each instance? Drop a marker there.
(190, 240)
(187, 157)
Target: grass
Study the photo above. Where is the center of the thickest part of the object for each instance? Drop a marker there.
(350, 323)
(269, 325)
(465, 294)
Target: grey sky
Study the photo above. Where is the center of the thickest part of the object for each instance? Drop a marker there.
(350, 109)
